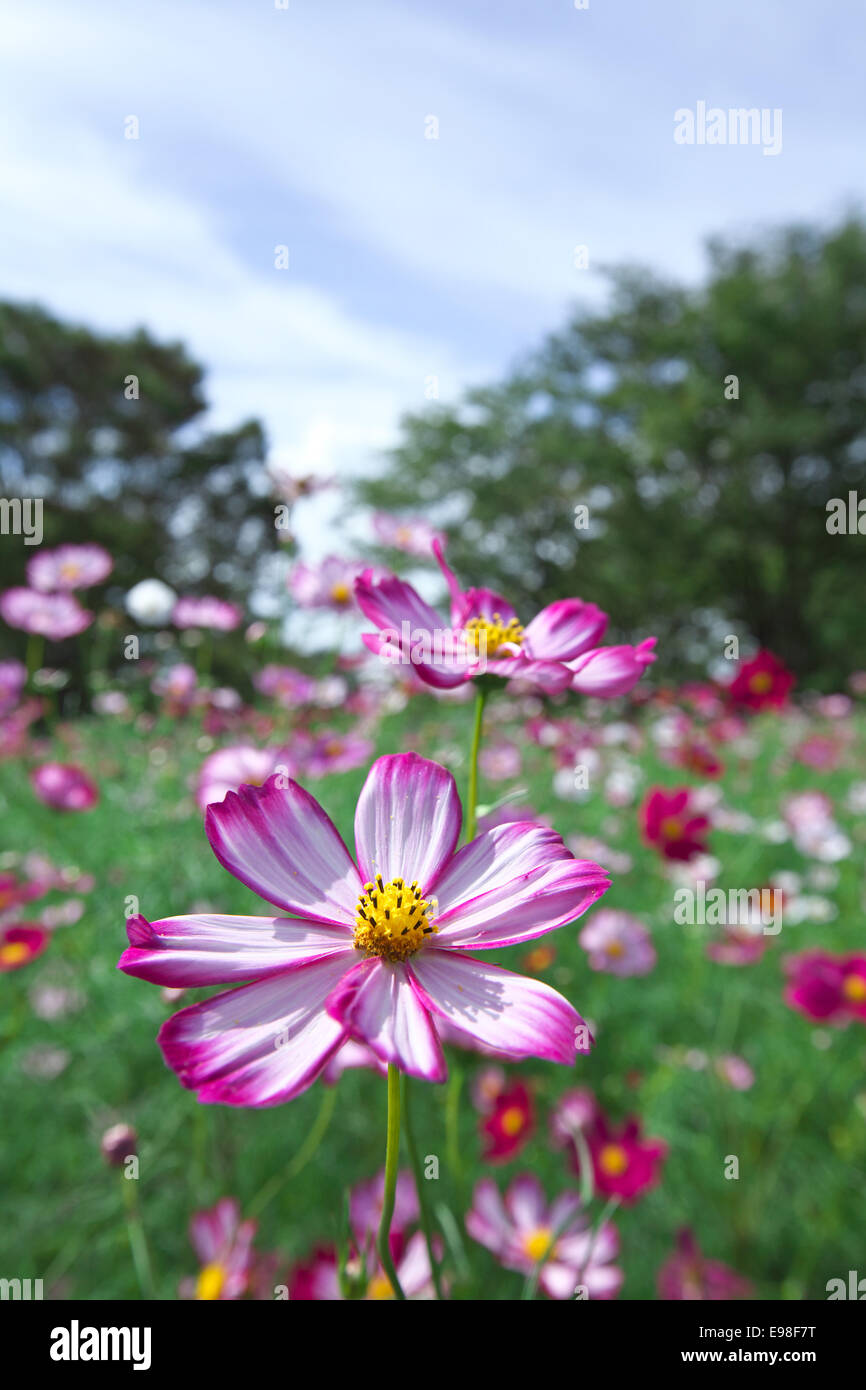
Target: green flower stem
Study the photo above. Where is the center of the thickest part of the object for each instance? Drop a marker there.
(392, 1159)
(307, 1151)
(472, 799)
(415, 1160)
(137, 1238)
(35, 653)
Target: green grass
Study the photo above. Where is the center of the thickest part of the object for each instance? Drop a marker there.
(789, 1223)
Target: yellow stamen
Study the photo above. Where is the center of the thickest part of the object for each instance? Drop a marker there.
(854, 988)
(489, 634)
(760, 682)
(14, 952)
(671, 828)
(393, 919)
(613, 1160)
(379, 1288)
(537, 1243)
(511, 1120)
(615, 948)
(340, 593)
(209, 1284)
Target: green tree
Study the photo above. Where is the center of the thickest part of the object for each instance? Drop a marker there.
(108, 431)
(705, 429)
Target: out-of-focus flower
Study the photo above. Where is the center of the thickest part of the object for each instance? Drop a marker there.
(809, 816)
(119, 1143)
(688, 1275)
(230, 768)
(371, 957)
(366, 1202)
(735, 1072)
(223, 1244)
(487, 1086)
(539, 959)
(150, 602)
(738, 945)
(329, 584)
(509, 1124)
(820, 752)
(827, 988)
(55, 616)
(64, 786)
(574, 1112)
(412, 535)
(177, 687)
(523, 1229)
(288, 686)
(624, 1164)
(669, 824)
(69, 567)
(216, 614)
(609, 672)
(618, 943)
(13, 678)
(500, 761)
(762, 683)
(328, 752)
(20, 944)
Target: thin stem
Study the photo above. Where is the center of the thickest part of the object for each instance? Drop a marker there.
(307, 1150)
(472, 800)
(392, 1158)
(137, 1240)
(415, 1160)
(35, 652)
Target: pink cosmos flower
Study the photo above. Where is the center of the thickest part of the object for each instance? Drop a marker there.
(177, 687)
(609, 672)
(738, 946)
(329, 752)
(316, 1279)
(13, 678)
(734, 1071)
(20, 944)
(827, 988)
(208, 612)
(69, 567)
(64, 786)
(223, 1244)
(15, 891)
(414, 535)
(523, 1229)
(500, 761)
(377, 953)
(509, 1124)
(762, 683)
(288, 686)
(55, 616)
(366, 1202)
(624, 1164)
(485, 635)
(689, 1276)
(575, 1111)
(228, 769)
(329, 584)
(618, 943)
(669, 825)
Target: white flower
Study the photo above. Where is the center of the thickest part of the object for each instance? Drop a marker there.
(151, 602)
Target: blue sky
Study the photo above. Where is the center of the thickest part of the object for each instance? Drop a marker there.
(409, 257)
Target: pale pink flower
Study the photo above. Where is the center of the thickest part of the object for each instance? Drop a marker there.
(69, 567)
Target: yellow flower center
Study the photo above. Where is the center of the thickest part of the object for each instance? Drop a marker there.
(614, 948)
(511, 1120)
(69, 571)
(340, 593)
(671, 828)
(393, 919)
(613, 1160)
(537, 1243)
(209, 1284)
(379, 1288)
(14, 952)
(488, 635)
(854, 988)
(760, 682)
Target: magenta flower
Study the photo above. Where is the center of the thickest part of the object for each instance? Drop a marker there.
(64, 786)
(228, 769)
(329, 584)
(483, 634)
(13, 678)
(523, 1229)
(223, 1244)
(215, 613)
(329, 752)
(509, 1124)
(618, 943)
(827, 988)
(365, 1207)
(689, 1276)
(69, 567)
(762, 683)
(316, 1279)
(288, 686)
(55, 616)
(377, 953)
(624, 1164)
(20, 944)
(670, 826)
